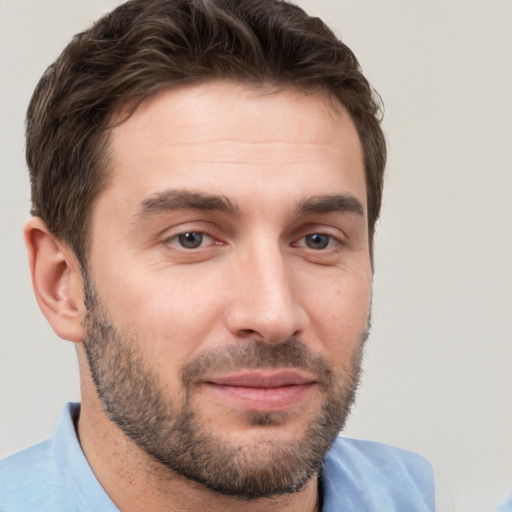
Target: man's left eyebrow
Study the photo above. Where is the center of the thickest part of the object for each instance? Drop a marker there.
(331, 203)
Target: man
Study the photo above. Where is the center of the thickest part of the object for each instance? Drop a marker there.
(206, 178)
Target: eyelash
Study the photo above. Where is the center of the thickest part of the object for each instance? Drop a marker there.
(174, 240)
(332, 241)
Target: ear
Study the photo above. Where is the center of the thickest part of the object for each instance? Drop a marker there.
(57, 280)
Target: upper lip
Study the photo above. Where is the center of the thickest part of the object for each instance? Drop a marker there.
(263, 379)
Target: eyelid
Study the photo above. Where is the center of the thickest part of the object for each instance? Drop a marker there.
(333, 230)
(334, 241)
(170, 235)
(175, 240)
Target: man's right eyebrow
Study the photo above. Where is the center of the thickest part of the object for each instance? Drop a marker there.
(169, 200)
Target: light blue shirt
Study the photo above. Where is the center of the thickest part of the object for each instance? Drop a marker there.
(506, 506)
(357, 476)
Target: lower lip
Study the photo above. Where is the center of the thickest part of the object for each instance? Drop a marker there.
(263, 400)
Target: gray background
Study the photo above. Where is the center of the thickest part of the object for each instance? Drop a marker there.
(438, 367)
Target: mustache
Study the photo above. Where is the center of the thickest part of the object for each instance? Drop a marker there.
(257, 354)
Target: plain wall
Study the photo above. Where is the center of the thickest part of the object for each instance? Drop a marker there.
(438, 376)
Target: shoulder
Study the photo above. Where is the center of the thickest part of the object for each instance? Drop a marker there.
(53, 475)
(27, 478)
(374, 476)
(379, 457)
(505, 506)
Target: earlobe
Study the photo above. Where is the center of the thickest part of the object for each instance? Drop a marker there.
(56, 279)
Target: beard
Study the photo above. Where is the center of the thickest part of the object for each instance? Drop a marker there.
(180, 439)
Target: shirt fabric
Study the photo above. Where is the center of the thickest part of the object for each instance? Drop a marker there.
(506, 506)
(357, 476)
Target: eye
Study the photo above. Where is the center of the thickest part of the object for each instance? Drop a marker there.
(318, 241)
(192, 239)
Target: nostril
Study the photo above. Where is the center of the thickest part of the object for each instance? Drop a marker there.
(249, 333)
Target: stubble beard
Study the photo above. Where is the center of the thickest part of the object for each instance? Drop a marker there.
(178, 437)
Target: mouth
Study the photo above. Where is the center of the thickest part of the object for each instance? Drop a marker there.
(263, 391)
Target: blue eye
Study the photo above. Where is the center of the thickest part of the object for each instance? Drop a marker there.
(191, 240)
(317, 241)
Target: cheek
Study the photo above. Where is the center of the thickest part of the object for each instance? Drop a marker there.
(340, 314)
(173, 313)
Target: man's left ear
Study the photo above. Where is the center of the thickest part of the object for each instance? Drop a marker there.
(57, 280)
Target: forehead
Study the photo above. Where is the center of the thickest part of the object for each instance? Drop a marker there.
(224, 134)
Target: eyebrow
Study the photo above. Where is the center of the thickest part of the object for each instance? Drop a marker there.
(331, 203)
(184, 199)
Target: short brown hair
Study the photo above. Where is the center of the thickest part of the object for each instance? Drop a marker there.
(146, 45)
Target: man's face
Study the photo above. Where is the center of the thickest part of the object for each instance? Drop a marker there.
(229, 283)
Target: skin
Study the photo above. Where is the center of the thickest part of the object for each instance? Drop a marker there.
(254, 277)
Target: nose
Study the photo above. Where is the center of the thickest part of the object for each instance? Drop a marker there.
(264, 296)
